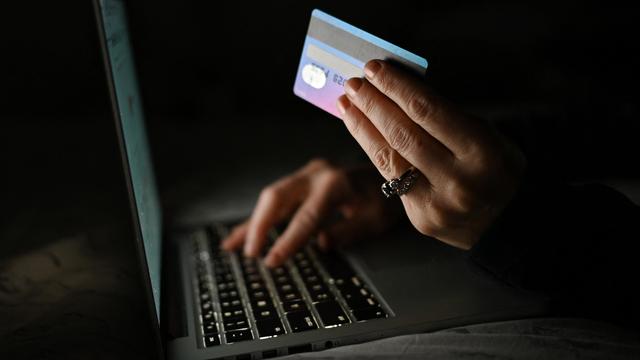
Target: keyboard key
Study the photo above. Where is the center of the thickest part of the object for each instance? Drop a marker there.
(239, 335)
(265, 313)
(249, 270)
(225, 286)
(236, 324)
(211, 340)
(295, 295)
(317, 288)
(369, 313)
(357, 301)
(285, 288)
(230, 305)
(206, 306)
(224, 277)
(307, 271)
(296, 305)
(262, 304)
(282, 279)
(221, 269)
(270, 327)
(229, 315)
(349, 281)
(299, 256)
(258, 295)
(331, 313)
(209, 328)
(280, 270)
(253, 277)
(204, 289)
(311, 279)
(256, 285)
(304, 263)
(228, 295)
(248, 261)
(301, 321)
(208, 316)
(320, 296)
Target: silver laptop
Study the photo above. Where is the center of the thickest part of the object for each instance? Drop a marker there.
(204, 303)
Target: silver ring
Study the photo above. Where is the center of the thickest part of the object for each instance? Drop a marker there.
(400, 185)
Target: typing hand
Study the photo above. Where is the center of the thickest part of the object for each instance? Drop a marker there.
(310, 197)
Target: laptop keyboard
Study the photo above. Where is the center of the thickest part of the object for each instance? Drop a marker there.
(239, 299)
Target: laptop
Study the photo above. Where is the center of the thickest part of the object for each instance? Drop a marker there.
(205, 303)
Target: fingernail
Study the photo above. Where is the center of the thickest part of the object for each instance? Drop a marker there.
(352, 85)
(371, 69)
(343, 104)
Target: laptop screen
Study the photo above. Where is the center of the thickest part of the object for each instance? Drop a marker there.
(131, 117)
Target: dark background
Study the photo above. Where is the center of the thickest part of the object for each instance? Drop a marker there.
(217, 84)
(564, 74)
(569, 68)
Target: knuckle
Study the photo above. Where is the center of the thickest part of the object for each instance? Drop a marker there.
(307, 218)
(438, 219)
(385, 82)
(354, 124)
(420, 106)
(318, 163)
(425, 228)
(482, 161)
(367, 104)
(382, 159)
(460, 196)
(280, 251)
(270, 194)
(334, 177)
(403, 140)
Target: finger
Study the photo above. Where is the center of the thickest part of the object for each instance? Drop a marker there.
(236, 237)
(388, 162)
(326, 192)
(275, 204)
(411, 141)
(426, 109)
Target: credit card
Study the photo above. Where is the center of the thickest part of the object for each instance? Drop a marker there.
(334, 52)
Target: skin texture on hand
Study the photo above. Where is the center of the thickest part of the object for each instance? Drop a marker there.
(310, 198)
(469, 171)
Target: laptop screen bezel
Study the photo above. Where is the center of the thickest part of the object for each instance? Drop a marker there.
(133, 209)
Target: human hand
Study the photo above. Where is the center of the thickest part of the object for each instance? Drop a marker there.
(310, 197)
(469, 172)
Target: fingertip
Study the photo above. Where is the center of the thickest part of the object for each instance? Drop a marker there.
(272, 260)
(231, 244)
(352, 86)
(249, 250)
(371, 68)
(323, 241)
(343, 104)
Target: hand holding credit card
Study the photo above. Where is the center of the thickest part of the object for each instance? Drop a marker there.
(335, 51)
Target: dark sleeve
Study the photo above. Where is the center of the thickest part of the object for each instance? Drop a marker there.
(576, 244)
